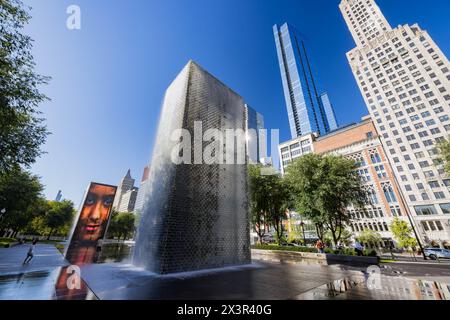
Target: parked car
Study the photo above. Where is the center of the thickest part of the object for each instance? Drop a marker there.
(435, 253)
(289, 244)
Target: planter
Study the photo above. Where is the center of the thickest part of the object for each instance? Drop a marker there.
(320, 258)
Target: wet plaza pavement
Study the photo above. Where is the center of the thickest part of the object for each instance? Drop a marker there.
(36, 280)
(262, 280)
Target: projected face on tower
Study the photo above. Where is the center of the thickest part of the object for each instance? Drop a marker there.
(95, 213)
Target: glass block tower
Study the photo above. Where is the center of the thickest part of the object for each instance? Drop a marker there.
(304, 104)
(195, 216)
(405, 80)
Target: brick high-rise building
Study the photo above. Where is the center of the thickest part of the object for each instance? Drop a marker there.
(361, 143)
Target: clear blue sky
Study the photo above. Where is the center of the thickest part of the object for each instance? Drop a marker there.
(109, 77)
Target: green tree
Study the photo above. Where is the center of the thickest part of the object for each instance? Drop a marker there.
(371, 237)
(19, 192)
(22, 131)
(323, 187)
(258, 201)
(269, 200)
(296, 235)
(402, 234)
(36, 213)
(59, 216)
(346, 237)
(444, 154)
(121, 225)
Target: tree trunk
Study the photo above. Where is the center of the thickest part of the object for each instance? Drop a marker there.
(319, 232)
(50, 234)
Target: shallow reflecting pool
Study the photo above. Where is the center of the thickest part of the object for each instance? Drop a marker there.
(116, 252)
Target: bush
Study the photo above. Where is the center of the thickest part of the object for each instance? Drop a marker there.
(349, 252)
(6, 242)
(279, 248)
(370, 253)
(344, 251)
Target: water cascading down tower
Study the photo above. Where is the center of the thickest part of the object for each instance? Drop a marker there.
(196, 215)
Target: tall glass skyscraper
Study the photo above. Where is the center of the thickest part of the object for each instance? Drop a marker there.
(256, 137)
(304, 104)
(329, 111)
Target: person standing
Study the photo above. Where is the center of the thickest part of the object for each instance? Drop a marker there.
(30, 253)
(319, 246)
(359, 248)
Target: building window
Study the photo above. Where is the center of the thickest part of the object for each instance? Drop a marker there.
(425, 197)
(432, 226)
(439, 195)
(389, 192)
(374, 156)
(426, 210)
(445, 208)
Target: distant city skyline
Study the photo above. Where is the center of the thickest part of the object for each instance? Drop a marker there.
(109, 77)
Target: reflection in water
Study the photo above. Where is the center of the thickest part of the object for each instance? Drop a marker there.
(41, 285)
(65, 288)
(28, 286)
(411, 289)
(116, 252)
(393, 288)
(70, 286)
(330, 290)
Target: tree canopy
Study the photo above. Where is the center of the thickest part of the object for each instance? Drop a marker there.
(402, 234)
(121, 225)
(19, 190)
(370, 236)
(323, 187)
(22, 129)
(269, 200)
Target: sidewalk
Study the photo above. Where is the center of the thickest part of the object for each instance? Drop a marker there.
(35, 281)
(405, 258)
(46, 257)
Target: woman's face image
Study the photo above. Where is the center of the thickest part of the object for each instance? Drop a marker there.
(95, 212)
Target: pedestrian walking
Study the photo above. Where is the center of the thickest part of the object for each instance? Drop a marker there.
(320, 246)
(359, 249)
(30, 253)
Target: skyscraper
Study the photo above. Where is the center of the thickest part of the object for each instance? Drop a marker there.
(256, 137)
(126, 184)
(405, 80)
(128, 201)
(143, 189)
(304, 105)
(58, 196)
(329, 111)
